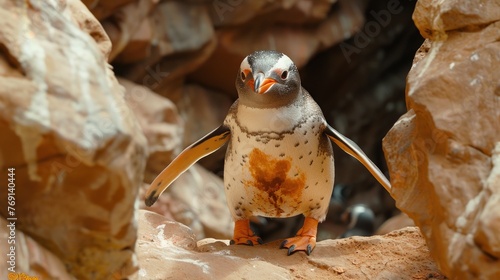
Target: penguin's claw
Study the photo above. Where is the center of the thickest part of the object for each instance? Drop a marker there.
(309, 249)
(282, 245)
(305, 240)
(243, 235)
(248, 240)
(299, 243)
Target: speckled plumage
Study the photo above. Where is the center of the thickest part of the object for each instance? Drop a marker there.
(279, 163)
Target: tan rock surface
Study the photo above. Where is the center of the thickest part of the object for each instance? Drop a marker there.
(228, 13)
(78, 150)
(435, 18)
(160, 123)
(104, 8)
(168, 250)
(443, 154)
(138, 45)
(202, 110)
(197, 200)
(124, 23)
(394, 223)
(182, 37)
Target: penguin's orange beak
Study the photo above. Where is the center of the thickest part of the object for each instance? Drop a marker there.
(262, 84)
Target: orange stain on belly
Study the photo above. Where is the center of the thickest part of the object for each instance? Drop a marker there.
(274, 184)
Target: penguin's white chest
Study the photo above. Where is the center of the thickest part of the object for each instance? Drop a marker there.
(278, 164)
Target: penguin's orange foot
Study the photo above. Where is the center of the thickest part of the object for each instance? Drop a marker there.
(299, 243)
(243, 235)
(305, 240)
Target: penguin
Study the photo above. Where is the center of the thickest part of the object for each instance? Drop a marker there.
(279, 158)
(360, 219)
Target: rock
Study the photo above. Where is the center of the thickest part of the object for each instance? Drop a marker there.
(104, 8)
(168, 250)
(203, 110)
(77, 149)
(160, 123)
(299, 41)
(443, 153)
(487, 235)
(174, 51)
(197, 200)
(138, 46)
(453, 15)
(125, 24)
(394, 223)
(229, 13)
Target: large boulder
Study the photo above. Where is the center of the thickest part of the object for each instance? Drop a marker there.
(443, 155)
(77, 149)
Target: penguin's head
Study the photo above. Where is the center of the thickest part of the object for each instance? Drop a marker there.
(267, 79)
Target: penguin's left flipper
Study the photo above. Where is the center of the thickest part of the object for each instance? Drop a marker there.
(354, 150)
(201, 148)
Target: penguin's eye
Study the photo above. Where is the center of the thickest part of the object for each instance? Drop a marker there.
(284, 75)
(243, 75)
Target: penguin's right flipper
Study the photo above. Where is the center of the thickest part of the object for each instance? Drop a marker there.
(201, 148)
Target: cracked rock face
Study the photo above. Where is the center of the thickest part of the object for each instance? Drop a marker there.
(78, 151)
(168, 250)
(443, 154)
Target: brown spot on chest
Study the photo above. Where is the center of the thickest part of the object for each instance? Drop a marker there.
(274, 186)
